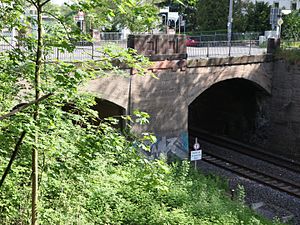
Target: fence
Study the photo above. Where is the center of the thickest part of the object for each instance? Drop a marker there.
(217, 49)
(4, 47)
(84, 51)
(223, 36)
(111, 36)
(203, 49)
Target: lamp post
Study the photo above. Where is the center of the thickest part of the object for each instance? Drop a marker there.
(229, 24)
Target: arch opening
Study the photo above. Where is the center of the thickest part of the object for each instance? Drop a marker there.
(232, 108)
(107, 109)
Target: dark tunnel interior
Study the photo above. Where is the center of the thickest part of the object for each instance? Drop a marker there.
(229, 108)
(107, 109)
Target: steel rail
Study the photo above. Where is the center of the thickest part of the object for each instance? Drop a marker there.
(245, 149)
(278, 183)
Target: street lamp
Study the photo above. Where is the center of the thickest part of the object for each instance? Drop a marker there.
(229, 24)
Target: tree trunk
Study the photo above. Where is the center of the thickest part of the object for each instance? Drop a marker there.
(38, 65)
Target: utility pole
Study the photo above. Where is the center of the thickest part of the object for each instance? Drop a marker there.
(229, 24)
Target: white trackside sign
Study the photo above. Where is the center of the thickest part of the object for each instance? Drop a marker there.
(196, 154)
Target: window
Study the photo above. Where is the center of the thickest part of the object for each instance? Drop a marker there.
(276, 4)
(294, 6)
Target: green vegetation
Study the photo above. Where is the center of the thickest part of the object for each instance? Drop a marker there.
(291, 55)
(291, 26)
(212, 15)
(137, 15)
(93, 175)
(290, 43)
(251, 16)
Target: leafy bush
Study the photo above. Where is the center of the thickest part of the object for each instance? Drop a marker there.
(94, 175)
(290, 55)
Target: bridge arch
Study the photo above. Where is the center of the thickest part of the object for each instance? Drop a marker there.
(203, 78)
(113, 88)
(231, 107)
(107, 109)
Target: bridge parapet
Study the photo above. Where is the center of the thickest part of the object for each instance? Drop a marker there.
(159, 47)
(228, 61)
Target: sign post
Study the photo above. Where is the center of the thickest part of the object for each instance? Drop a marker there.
(229, 24)
(196, 154)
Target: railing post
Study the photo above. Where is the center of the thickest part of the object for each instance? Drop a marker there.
(57, 53)
(92, 50)
(250, 47)
(272, 46)
(229, 49)
(207, 52)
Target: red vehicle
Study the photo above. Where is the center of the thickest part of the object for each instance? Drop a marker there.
(191, 42)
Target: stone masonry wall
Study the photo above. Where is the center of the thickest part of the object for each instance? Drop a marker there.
(167, 99)
(284, 111)
(164, 99)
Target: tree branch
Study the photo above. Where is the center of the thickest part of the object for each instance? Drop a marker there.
(10, 45)
(61, 22)
(26, 105)
(33, 3)
(44, 3)
(12, 158)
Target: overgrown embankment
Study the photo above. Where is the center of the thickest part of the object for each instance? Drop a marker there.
(94, 175)
(291, 55)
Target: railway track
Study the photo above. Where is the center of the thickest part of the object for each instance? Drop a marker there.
(277, 182)
(245, 149)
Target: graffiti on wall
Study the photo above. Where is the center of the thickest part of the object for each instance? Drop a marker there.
(174, 145)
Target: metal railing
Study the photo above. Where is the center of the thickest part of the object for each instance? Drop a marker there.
(111, 36)
(204, 49)
(223, 36)
(82, 51)
(218, 49)
(4, 47)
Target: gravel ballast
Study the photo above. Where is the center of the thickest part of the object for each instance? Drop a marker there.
(265, 200)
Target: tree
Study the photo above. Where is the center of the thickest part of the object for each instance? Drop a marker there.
(137, 15)
(258, 14)
(185, 8)
(240, 15)
(203, 15)
(291, 26)
(210, 15)
(27, 75)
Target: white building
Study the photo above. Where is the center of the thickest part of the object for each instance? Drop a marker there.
(282, 4)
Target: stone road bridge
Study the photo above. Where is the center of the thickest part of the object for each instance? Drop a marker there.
(253, 99)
